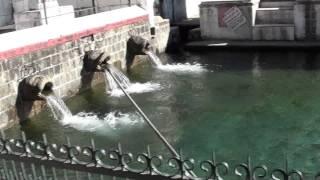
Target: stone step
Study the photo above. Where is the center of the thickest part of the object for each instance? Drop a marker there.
(273, 32)
(277, 3)
(274, 16)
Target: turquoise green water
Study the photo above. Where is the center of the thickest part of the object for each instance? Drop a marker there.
(265, 105)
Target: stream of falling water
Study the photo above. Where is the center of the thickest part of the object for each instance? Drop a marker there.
(58, 108)
(90, 121)
(114, 90)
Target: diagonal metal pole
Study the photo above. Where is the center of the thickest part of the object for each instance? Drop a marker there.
(149, 122)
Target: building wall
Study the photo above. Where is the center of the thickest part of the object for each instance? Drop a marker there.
(307, 20)
(226, 20)
(6, 16)
(31, 13)
(57, 52)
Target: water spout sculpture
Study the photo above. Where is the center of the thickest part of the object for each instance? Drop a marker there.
(95, 60)
(31, 90)
(136, 45)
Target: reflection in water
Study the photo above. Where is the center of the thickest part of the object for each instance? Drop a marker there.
(256, 70)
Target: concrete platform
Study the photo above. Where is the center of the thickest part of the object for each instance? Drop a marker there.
(249, 45)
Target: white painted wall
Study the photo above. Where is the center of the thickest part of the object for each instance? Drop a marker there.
(6, 16)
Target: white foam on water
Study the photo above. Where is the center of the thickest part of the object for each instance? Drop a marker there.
(178, 68)
(136, 88)
(183, 68)
(90, 122)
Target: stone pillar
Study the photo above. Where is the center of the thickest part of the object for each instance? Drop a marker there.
(151, 12)
(307, 19)
(6, 16)
(175, 10)
(317, 19)
(255, 6)
(227, 20)
(300, 21)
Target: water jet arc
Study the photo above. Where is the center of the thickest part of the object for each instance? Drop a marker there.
(149, 122)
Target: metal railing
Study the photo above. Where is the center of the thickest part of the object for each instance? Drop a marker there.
(23, 159)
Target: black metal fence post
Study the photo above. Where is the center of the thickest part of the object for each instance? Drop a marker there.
(129, 3)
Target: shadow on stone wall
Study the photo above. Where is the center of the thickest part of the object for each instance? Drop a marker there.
(23, 107)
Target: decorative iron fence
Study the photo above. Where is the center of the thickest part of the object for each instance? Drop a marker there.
(23, 159)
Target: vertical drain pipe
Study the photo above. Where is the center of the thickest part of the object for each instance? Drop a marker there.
(154, 128)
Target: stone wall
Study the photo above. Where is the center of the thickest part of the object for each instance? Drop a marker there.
(61, 58)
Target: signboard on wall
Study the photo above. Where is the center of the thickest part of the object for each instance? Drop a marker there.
(231, 17)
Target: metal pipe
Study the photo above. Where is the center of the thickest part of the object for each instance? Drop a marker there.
(149, 122)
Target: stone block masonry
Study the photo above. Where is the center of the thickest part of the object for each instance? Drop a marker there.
(57, 51)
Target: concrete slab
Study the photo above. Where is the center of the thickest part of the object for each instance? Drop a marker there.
(250, 45)
(277, 3)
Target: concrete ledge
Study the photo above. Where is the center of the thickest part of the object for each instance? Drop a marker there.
(42, 37)
(225, 3)
(268, 4)
(251, 45)
(273, 25)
